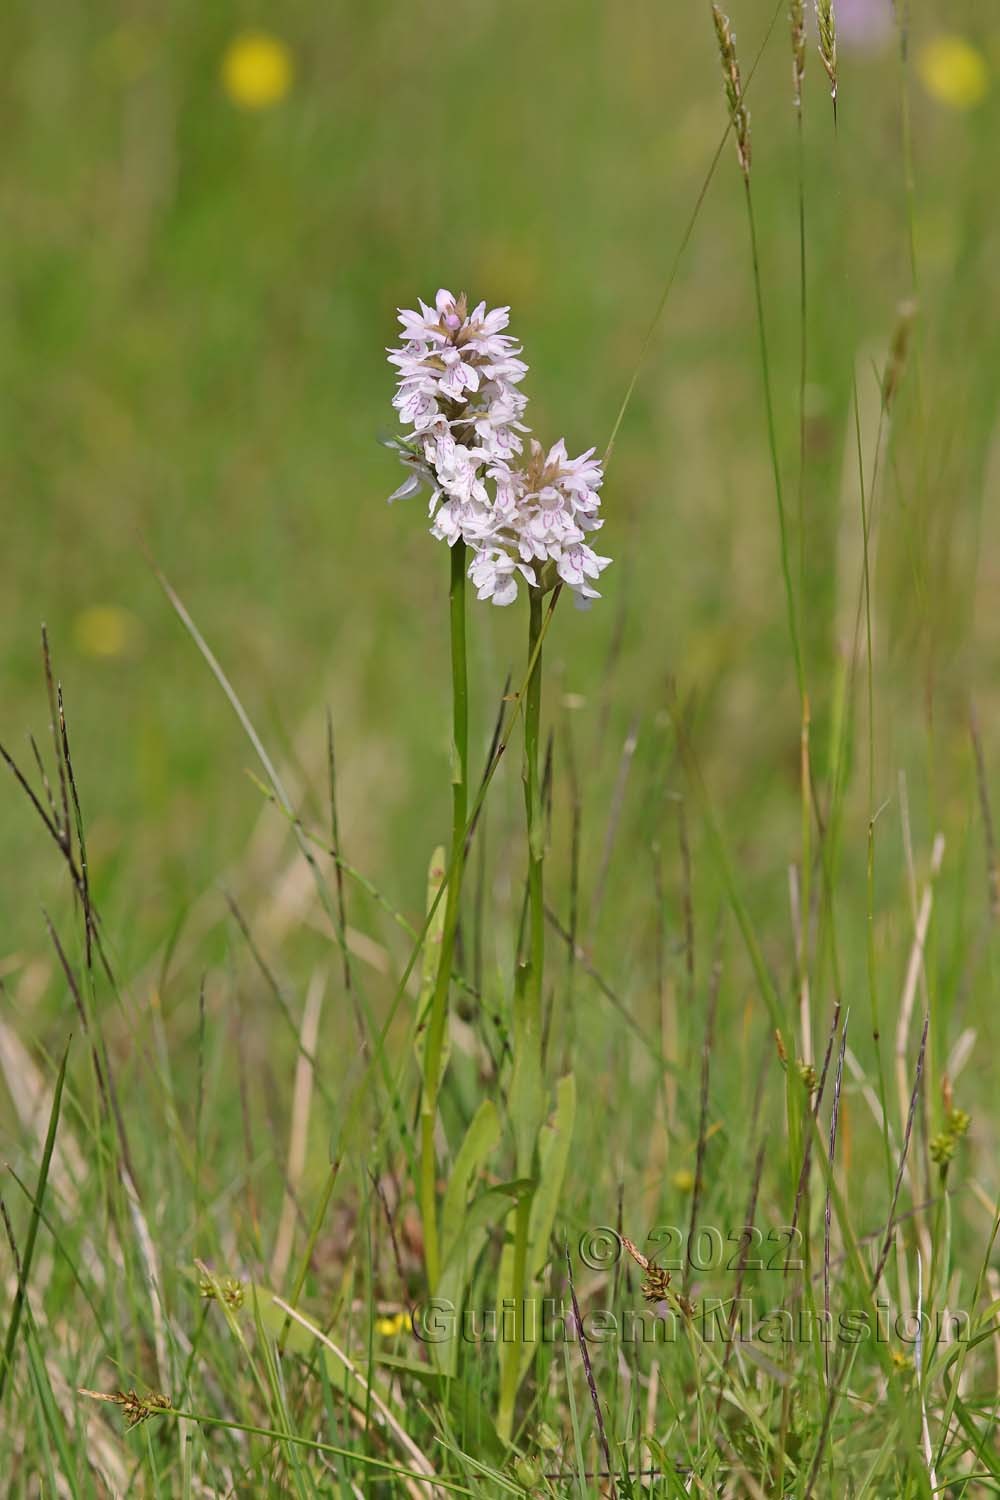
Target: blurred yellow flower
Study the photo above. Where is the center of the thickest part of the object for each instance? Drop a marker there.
(389, 1327)
(954, 72)
(257, 70)
(683, 1180)
(106, 631)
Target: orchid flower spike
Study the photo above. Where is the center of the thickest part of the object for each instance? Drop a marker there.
(523, 520)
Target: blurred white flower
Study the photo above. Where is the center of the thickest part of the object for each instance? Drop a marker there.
(866, 25)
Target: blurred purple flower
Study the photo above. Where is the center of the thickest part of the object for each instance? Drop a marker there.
(865, 25)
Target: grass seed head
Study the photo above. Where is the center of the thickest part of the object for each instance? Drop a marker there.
(943, 1147)
(797, 20)
(827, 24)
(135, 1408)
(733, 83)
(809, 1076)
(229, 1289)
(656, 1286)
(528, 1472)
(945, 1143)
(138, 1408)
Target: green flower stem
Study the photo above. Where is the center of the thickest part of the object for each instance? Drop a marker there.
(439, 1003)
(533, 809)
(528, 1031)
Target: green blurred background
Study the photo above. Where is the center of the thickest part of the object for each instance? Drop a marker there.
(197, 287)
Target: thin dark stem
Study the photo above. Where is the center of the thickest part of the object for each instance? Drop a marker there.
(804, 761)
(866, 514)
(786, 571)
(706, 1057)
(595, 1399)
(331, 760)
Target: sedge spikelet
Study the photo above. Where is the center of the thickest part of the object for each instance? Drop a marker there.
(898, 352)
(738, 113)
(135, 1408)
(827, 24)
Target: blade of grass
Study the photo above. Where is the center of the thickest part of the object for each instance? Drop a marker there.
(38, 1200)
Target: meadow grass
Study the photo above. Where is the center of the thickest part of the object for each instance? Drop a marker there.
(634, 1135)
